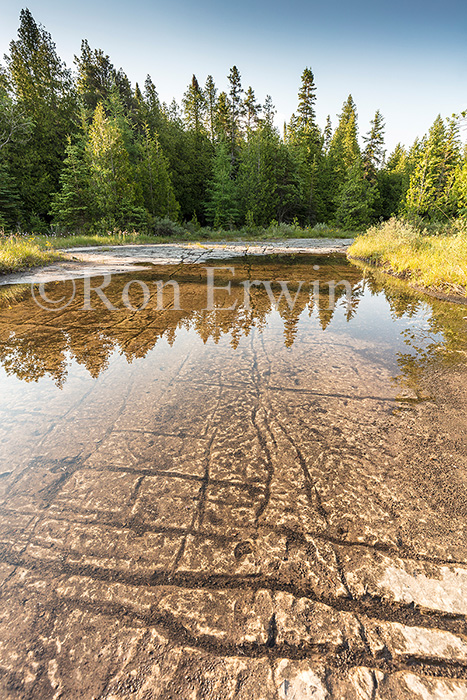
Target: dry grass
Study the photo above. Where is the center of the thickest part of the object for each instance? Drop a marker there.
(427, 260)
(24, 252)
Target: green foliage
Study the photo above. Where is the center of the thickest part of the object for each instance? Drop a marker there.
(222, 207)
(72, 205)
(354, 200)
(431, 191)
(111, 174)
(45, 97)
(92, 153)
(267, 178)
(436, 260)
(154, 178)
(9, 200)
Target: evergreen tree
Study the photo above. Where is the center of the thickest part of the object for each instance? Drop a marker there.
(355, 200)
(252, 109)
(194, 105)
(10, 205)
(72, 207)
(306, 117)
(45, 94)
(111, 175)
(267, 177)
(344, 150)
(222, 207)
(305, 140)
(222, 117)
(373, 153)
(95, 76)
(431, 184)
(327, 135)
(210, 94)
(236, 111)
(154, 178)
(393, 182)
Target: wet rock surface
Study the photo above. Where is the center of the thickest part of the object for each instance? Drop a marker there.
(271, 515)
(87, 261)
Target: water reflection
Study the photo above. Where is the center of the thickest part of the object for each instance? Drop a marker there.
(247, 511)
(36, 342)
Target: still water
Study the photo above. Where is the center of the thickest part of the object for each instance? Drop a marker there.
(239, 495)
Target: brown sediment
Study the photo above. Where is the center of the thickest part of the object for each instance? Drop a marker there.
(225, 505)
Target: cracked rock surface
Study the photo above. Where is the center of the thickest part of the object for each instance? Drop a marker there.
(252, 503)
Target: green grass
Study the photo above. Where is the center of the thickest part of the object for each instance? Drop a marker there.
(24, 252)
(425, 259)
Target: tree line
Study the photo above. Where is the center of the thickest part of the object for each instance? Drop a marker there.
(85, 151)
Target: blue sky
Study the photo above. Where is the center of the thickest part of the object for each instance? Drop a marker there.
(408, 59)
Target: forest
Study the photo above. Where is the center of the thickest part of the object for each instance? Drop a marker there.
(85, 151)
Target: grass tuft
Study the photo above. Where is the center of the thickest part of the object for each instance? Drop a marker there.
(23, 252)
(437, 261)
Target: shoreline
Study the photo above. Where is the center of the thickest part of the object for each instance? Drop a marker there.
(405, 276)
(117, 259)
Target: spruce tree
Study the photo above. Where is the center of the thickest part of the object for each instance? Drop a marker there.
(222, 117)
(393, 182)
(305, 140)
(95, 76)
(432, 181)
(306, 117)
(344, 150)
(373, 153)
(73, 207)
(222, 206)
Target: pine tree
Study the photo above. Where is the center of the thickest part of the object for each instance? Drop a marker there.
(194, 105)
(236, 111)
(95, 76)
(252, 109)
(210, 93)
